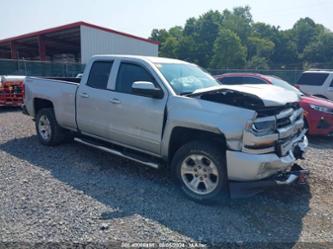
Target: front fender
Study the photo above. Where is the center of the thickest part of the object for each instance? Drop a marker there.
(194, 113)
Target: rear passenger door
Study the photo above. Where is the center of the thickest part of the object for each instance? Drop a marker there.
(138, 120)
(92, 101)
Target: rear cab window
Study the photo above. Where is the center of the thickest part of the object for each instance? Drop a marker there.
(99, 74)
(312, 79)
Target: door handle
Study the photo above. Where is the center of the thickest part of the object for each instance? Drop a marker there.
(84, 95)
(115, 101)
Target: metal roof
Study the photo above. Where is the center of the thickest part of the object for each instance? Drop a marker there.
(68, 29)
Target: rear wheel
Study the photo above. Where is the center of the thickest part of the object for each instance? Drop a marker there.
(200, 168)
(48, 131)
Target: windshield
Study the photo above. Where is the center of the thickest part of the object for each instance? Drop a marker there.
(186, 78)
(284, 84)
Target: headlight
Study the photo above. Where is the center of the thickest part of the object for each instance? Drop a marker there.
(321, 109)
(264, 127)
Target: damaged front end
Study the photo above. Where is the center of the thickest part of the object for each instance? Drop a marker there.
(280, 134)
(271, 142)
(275, 131)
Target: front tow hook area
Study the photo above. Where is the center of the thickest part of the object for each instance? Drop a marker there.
(300, 149)
(296, 175)
(298, 153)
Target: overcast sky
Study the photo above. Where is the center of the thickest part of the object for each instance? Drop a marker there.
(139, 17)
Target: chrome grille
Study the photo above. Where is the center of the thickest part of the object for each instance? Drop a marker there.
(289, 122)
(283, 122)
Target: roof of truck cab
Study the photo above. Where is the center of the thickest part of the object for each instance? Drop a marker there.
(151, 59)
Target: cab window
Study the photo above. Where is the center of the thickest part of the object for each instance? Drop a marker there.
(128, 74)
(99, 74)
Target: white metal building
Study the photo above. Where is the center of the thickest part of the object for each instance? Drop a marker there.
(76, 41)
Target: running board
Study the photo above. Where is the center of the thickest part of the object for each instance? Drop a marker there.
(131, 156)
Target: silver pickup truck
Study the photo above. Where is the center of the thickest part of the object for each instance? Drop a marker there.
(217, 140)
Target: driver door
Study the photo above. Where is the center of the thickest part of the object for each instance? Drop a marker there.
(138, 119)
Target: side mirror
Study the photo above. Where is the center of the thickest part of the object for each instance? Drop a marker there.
(148, 89)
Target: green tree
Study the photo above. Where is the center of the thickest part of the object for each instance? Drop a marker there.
(260, 47)
(169, 47)
(186, 49)
(228, 51)
(159, 35)
(169, 40)
(208, 41)
(176, 32)
(239, 21)
(190, 27)
(264, 30)
(204, 31)
(285, 54)
(257, 62)
(305, 31)
(320, 50)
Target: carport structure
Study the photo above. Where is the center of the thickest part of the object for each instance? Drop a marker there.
(81, 40)
(39, 45)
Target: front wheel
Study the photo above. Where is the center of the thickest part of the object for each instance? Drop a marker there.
(201, 171)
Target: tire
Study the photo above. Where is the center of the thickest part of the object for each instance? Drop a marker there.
(202, 162)
(48, 131)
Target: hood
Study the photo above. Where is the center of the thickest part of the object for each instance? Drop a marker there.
(316, 101)
(267, 95)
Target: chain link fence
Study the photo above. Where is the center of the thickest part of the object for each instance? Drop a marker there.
(51, 69)
(38, 68)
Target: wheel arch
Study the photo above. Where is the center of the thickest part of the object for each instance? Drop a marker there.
(40, 103)
(182, 135)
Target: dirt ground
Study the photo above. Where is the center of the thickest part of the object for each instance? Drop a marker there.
(72, 193)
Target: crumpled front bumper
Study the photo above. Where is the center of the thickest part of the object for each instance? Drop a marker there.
(250, 174)
(296, 175)
(244, 166)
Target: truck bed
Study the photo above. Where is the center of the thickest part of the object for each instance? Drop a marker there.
(66, 79)
(61, 93)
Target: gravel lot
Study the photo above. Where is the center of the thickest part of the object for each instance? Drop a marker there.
(75, 193)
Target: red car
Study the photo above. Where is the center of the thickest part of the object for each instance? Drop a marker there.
(318, 113)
